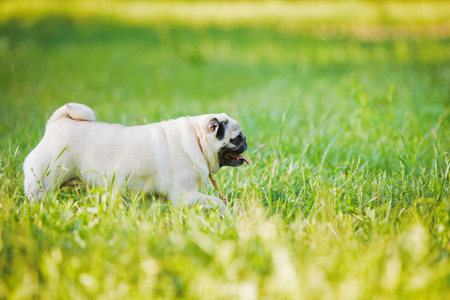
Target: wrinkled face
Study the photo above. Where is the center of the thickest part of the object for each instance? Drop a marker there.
(228, 140)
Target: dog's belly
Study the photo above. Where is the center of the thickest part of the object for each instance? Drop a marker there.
(142, 184)
(122, 173)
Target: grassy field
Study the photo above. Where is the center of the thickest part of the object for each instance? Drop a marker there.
(347, 119)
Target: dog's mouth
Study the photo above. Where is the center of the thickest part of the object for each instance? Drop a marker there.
(233, 157)
(237, 158)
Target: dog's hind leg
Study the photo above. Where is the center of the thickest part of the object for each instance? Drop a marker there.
(35, 174)
(32, 185)
(43, 175)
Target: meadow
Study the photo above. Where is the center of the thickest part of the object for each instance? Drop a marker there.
(347, 121)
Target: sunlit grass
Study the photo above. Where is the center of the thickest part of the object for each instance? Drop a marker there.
(347, 195)
(360, 18)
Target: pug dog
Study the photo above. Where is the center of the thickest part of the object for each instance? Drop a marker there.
(171, 159)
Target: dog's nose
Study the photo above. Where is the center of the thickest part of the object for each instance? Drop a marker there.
(238, 139)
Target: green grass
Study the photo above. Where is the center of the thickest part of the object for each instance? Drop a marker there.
(347, 196)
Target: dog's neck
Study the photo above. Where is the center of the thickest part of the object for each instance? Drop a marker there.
(224, 199)
(199, 144)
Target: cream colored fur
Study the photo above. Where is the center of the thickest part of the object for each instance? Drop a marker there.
(161, 158)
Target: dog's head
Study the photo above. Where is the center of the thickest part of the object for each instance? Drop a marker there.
(225, 140)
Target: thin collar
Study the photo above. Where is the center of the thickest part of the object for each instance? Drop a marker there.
(224, 199)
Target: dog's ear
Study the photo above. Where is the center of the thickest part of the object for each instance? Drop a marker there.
(217, 127)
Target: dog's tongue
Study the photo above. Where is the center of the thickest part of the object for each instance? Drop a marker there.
(240, 157)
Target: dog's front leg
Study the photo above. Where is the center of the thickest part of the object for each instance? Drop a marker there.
(193, 197)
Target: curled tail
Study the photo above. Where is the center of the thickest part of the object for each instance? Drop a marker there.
(73, 111)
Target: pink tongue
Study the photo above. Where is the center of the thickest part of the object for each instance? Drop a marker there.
(240, 157)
